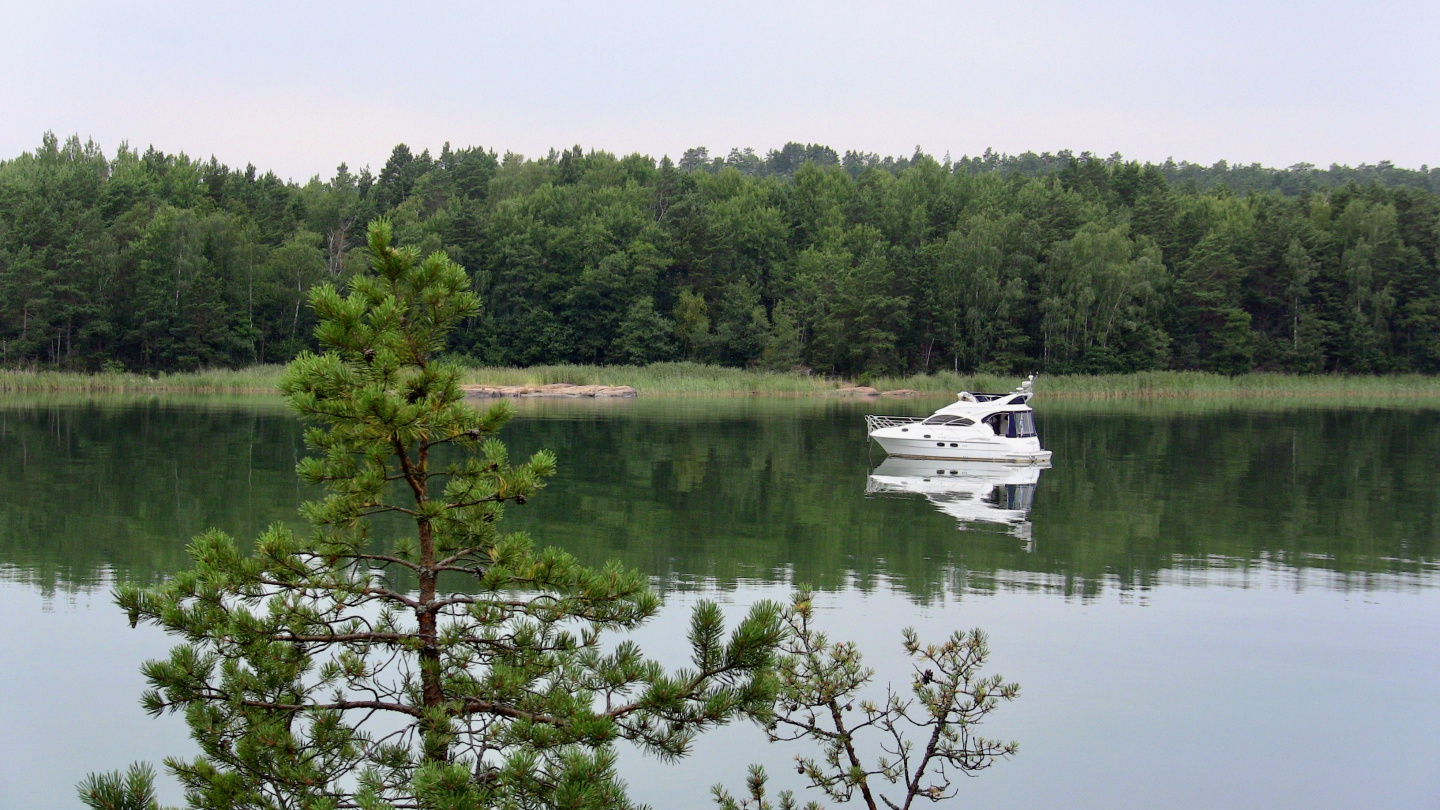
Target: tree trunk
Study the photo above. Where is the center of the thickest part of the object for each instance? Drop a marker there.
(432, 691)
(433, 729)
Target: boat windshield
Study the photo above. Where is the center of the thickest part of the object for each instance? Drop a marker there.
(957, 421)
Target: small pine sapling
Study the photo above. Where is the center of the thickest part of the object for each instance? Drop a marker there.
(925, 740)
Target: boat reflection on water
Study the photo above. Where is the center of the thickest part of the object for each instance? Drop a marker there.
(972, 492)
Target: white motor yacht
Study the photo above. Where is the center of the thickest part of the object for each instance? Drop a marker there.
(976, 427)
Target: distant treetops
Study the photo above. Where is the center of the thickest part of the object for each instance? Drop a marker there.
(846, 264)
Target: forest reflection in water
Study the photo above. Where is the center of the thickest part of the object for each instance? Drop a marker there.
(712, 493)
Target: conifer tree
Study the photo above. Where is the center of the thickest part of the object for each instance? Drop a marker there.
(406, 652)
(927, 740)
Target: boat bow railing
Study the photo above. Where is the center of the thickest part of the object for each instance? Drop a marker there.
(874, 422)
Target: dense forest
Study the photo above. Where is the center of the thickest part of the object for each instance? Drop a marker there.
(852, 265)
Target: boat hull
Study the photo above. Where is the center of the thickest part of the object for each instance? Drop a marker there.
(1005, 451)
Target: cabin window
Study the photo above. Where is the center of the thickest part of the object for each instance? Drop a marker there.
(1024, 424)
(945, 419)
(1013, 425)
(1000, 423)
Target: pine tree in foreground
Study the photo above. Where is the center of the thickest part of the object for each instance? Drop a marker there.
(457, 666)
(432, 661)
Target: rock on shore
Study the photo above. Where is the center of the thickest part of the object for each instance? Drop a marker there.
(557, 390)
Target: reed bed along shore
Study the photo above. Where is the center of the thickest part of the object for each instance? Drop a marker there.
(671, 379)
(694, 379)
(253, 380)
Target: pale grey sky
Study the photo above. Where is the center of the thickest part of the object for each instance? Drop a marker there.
(299, 86)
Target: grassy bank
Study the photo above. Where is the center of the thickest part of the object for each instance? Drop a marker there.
(252, 380)
(673, 379)
(693, 379)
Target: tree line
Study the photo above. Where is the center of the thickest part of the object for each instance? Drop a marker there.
(846, 264)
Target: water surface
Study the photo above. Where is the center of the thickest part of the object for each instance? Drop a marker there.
(1204, 606)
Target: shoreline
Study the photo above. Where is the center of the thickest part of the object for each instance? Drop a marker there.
(695, 380)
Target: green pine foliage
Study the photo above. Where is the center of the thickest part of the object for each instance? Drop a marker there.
(923, 745)
(406, 651)
(132, 790)
(850, 265)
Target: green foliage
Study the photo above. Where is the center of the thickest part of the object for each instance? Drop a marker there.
(783, 343)
(980, 274)
(819, 701)
(740, 325)
(645, 335)
(1098, 304)
(887, 266)
(446, 665)
(692, 325)
(132, 790)
(755, 799)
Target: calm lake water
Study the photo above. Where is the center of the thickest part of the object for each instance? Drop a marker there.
(1205, 606)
